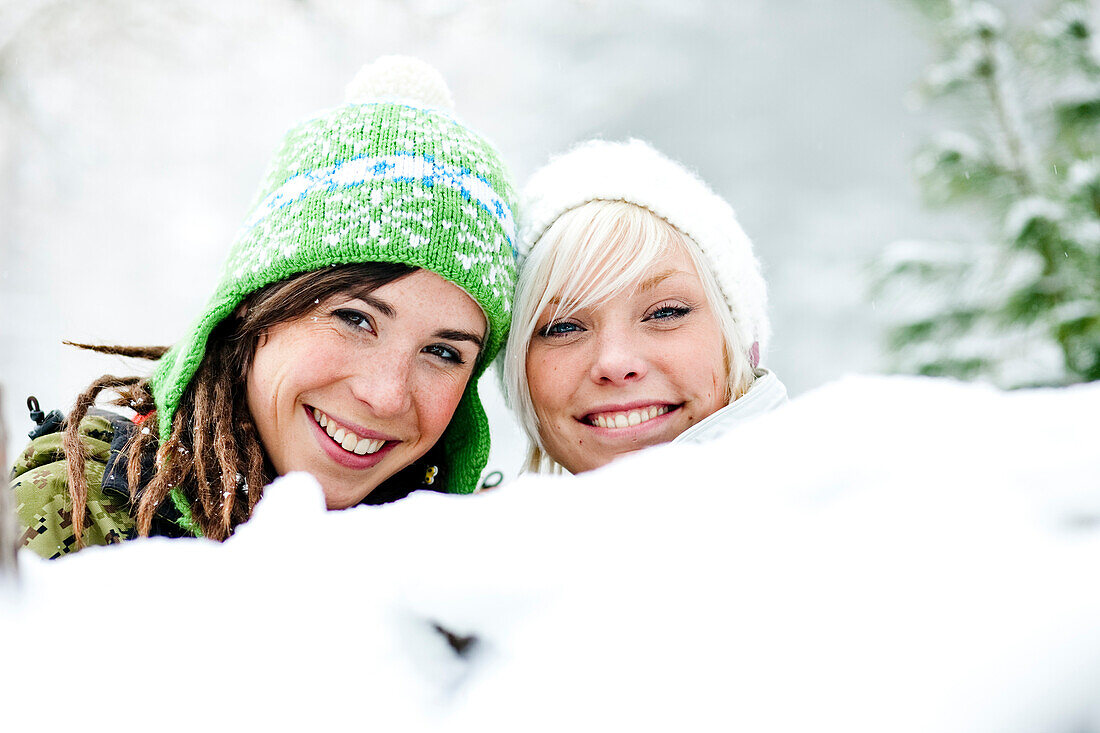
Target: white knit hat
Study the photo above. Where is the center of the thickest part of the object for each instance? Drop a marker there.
(634, 172)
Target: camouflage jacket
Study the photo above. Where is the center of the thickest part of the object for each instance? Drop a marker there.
(40, 484)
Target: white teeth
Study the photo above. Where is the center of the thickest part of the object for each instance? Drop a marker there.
(628, 419)
(347, 440)
(366, 445)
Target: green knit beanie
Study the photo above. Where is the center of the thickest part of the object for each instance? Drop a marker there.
(390, 176)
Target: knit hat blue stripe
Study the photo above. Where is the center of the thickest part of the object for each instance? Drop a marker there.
(404, 167)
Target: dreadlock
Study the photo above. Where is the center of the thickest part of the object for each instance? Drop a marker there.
(213, 453)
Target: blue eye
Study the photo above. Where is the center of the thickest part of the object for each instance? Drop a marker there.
(560, 328)
(668, 312)
(445, 352)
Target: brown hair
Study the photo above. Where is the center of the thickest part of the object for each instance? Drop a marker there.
(213, 454)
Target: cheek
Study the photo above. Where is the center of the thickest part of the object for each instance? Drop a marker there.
(436, 405)
(284, 367)
(713, 355)
(696, 360)
(259, 385)
(276, 370)
(551, 379)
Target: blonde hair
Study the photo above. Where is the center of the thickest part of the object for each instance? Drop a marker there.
(588, 256)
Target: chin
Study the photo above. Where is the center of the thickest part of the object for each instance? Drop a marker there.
(340, 502)
(591, 464)
(342, 498)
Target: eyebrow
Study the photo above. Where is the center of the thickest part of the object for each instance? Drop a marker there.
(447, 333)
(378, 304)
(652, 282)
(647, 284)
(452, 335)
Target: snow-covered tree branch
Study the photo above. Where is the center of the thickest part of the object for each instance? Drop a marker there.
(1023, 307)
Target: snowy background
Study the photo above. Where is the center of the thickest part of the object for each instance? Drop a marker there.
(132, 136)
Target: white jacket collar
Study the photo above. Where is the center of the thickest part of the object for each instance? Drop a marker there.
(765, 394)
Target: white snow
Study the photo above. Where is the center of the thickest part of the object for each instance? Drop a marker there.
(923, 279)
(964, 146)
(1025, 211)
(1083, 173)
(982, 16)
(882, 554)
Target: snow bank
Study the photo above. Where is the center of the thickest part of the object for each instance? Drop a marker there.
(881, 554)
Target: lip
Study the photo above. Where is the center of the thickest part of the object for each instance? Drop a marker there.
(628, 406)
(632, 433)
(341, 456)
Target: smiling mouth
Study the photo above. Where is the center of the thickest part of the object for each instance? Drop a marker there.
(345, 438)
(627, 418)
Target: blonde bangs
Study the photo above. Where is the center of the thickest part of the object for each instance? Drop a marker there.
(597, 252)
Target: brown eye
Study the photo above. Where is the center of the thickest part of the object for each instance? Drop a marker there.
(355, 319)
(444, 352)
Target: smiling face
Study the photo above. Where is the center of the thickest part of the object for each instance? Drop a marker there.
(634, 371)
(364, 384)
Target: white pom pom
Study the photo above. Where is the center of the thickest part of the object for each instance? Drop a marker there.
(400, 78)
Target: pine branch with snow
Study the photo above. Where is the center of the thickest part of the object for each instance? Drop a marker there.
(1023, 307)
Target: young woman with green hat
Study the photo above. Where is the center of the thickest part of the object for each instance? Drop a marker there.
(366, 292)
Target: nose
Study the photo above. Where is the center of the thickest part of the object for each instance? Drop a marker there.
(618, 360)
(384, 382)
